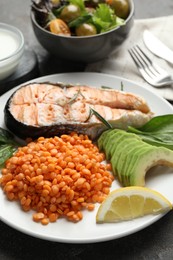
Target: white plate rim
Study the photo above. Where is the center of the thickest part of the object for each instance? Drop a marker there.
(39, 231)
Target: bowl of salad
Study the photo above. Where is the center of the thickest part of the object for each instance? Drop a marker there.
(82, 30)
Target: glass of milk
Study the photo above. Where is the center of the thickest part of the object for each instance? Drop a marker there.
(11, 49)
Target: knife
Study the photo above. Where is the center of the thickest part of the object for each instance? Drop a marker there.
(157, 47)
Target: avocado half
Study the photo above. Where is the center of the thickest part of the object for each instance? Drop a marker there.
(130, 157)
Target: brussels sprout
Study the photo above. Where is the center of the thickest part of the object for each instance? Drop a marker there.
(120, 7)
(70, 12)
(86, 29)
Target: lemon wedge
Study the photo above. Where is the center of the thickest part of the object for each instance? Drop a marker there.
(131, 202)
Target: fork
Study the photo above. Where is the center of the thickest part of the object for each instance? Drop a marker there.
(151, 72)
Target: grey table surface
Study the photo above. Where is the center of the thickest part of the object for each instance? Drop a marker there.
(153, 242)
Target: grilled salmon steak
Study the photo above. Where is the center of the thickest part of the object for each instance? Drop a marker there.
(49, 109)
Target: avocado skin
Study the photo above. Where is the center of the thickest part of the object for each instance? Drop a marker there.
(102, 138)
(106, 138)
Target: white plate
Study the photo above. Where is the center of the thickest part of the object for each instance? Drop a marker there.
(87, 231)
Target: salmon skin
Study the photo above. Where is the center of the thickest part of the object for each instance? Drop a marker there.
(49, 109)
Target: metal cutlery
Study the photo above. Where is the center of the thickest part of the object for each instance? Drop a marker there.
(151, 72)
(157, 47)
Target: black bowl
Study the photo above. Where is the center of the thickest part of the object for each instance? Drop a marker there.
(87, 48)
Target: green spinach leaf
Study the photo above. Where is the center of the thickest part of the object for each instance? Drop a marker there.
(158, 131)
(80, 20)
(8, 145)
(6, 151)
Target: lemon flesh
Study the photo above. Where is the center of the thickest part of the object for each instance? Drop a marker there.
(130, 203)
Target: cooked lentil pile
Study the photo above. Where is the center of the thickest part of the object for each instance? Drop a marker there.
(57, 177)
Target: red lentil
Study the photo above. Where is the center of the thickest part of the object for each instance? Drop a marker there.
(57, 177)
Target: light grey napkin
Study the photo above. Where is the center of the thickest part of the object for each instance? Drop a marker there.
(120, 62)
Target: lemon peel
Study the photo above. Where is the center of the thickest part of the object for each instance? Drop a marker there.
(132, 202)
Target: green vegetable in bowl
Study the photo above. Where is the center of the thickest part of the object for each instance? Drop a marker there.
(104, 18)
(121, 7)
(86, 29)
(70, 12)
(82, 17)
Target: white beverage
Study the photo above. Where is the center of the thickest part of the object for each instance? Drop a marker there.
(8, 44)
